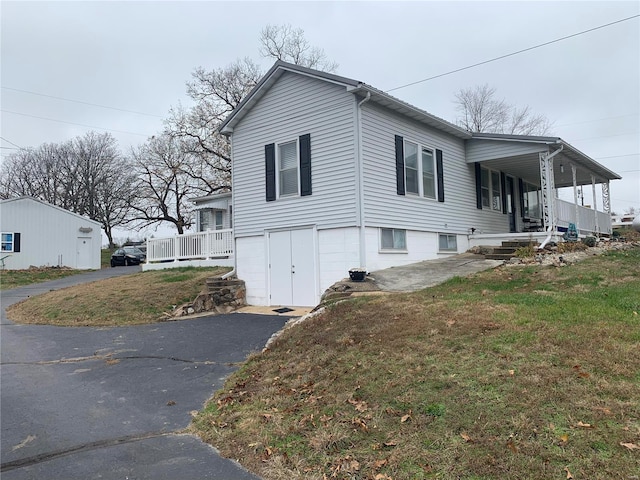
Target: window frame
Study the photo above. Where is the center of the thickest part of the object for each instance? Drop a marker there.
(488, 191)
(11, 242)
(393, 249)
(448, 237)
(279, 171)
(420, 173)
(220, 214)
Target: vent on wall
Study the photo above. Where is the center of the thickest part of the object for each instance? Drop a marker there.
(86, 229)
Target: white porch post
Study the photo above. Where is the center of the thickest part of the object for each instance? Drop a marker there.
(606, 206)
(575, 196)
(176, 248)
(595, 204)
(547, 187)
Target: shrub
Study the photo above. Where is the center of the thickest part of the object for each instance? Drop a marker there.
(589, 241)
(524, 252)
(566, 247)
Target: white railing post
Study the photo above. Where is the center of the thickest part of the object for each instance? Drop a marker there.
(595, 204)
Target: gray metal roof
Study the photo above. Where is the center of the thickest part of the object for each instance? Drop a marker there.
(569, 152)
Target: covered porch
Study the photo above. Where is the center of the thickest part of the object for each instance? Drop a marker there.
(524, 174)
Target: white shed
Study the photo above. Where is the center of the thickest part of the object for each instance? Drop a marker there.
(40, 234)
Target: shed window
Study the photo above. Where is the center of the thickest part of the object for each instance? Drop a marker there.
(10, 242)
(7, 242)
(393, 239)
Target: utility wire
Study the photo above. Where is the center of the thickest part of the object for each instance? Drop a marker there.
(619, 156)
(598, 120)
(72, 123)
(514, 53)
(9, 141)
(81, 102)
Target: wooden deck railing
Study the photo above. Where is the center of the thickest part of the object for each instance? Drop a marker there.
(190, 246)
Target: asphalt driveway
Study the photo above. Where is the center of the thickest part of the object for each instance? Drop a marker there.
(110, 403)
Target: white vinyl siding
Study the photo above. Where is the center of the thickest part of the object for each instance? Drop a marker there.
(297, 105)
(385, 208)
(479, 150)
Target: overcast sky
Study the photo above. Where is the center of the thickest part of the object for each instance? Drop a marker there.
(137, 56)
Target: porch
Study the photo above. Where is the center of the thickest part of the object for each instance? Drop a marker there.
(200, 249)
(522, 176)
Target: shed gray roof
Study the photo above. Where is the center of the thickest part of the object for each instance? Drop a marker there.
(55, 207)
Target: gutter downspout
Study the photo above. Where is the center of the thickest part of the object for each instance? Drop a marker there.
(233, 212)
(360, 183)
(550, 228)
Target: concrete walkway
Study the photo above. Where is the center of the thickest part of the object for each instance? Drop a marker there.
(416, 276)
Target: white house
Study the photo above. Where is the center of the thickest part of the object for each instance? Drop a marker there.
(40, 234)
(330, 173)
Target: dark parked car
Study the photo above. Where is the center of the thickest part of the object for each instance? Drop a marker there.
(128, 256)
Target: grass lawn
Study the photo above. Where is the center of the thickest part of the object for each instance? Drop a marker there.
(128, 300)
(519, 372)
(19, 278)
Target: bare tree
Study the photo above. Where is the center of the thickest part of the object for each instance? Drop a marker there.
(84, 175)
(481, 111)
(217, 92)
(283, 42)
(163, 185)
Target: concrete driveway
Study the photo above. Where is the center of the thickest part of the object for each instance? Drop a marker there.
(110, 403)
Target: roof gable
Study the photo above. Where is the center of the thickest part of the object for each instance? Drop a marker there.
(352, 86)
(48, 205)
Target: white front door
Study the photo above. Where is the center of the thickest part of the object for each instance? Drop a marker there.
(292, 273)
(83, 247)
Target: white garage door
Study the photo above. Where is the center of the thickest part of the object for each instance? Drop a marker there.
(292, 274)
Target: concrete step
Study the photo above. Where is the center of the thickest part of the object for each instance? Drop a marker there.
(519, 243)
(499, 256)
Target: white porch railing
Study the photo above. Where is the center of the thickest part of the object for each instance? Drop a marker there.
(191, 246)
(586, 221)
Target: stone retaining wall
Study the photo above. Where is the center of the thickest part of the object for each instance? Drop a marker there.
(220, 296)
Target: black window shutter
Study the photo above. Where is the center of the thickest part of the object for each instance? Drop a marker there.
(305, 164)
(478, 186)
(440, 174)
(400, 164)
(521, 194)
(16, 242)
(270, 171)
(503, 189)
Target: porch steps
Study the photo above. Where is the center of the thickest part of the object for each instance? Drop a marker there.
(508, 249)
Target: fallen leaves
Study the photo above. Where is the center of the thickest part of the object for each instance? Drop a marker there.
(466, 437)
(630, 446)
(569, 475)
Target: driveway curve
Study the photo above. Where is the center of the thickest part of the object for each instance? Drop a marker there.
(111, 403)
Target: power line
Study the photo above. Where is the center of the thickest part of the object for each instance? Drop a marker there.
(605, 136)
(597, 120)
(72, 123)
(81, 102)
(10, 142)
(513, 53)
(619, 156)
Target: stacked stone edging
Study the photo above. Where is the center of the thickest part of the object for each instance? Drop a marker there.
(220, 296)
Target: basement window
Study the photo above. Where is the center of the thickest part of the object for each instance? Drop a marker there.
(393, 239)
(448, 243)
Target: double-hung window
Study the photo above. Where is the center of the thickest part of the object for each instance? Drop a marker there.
(288, 166)
(490, 188)
(7, 242)
(419, 170)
